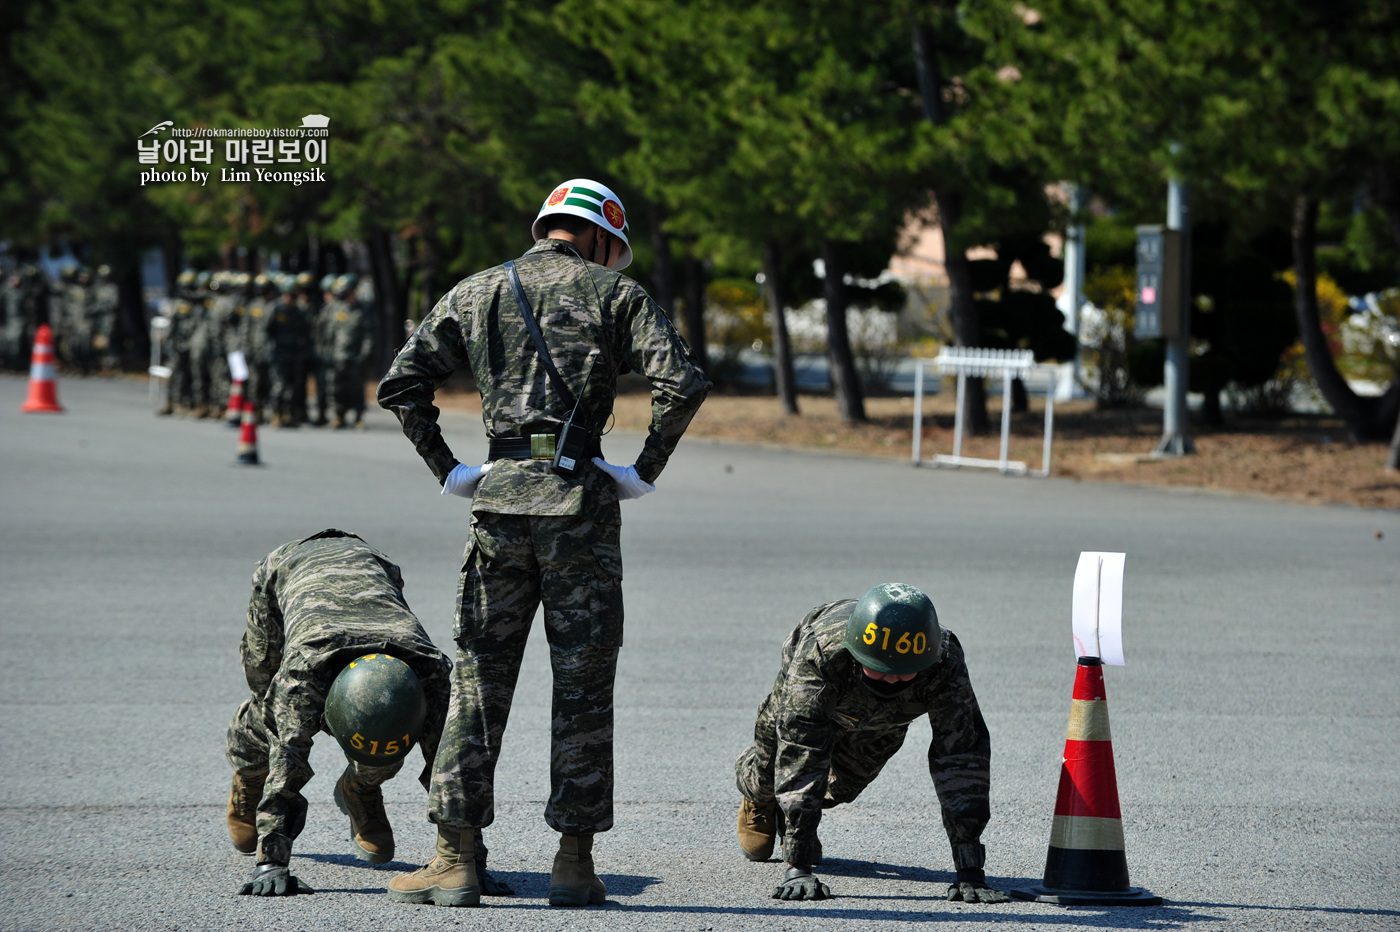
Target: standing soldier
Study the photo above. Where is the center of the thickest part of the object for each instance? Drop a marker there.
(291, 341)
(348, 345)
(546, 344)
(223, 322)
(854, 675)
(203, 350)
(77, 305)
(106, 301)
(182, 326)
(13, 326)
(321, 352)
(319, 606)
(257, 340)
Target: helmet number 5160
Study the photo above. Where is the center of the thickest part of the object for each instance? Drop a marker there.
(918, 644)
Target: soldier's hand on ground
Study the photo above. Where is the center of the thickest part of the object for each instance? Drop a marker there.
(971, 887)
(463, 479)
(799, 883)
(629, 484)
(273, 880)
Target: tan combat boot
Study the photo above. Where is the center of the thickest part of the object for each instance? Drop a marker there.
(573, 881)
(369, 823)
(448, 879)
(243, 801)
(758, 829)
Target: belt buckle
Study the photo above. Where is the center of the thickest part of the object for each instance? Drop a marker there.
(542, 447)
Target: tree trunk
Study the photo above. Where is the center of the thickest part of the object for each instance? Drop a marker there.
(133, 332)
(389, 310)
(845, 383)
(783, 377)
(966, 329)
(695, 310)
(1360, 414)
(1392, 461)
(665, 264)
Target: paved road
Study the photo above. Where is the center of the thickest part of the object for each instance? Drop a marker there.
(1254, 728)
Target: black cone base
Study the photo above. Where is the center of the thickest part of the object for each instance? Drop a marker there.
(1133, 896)
(248, 459)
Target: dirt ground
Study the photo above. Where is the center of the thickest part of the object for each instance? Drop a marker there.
(1300, 459)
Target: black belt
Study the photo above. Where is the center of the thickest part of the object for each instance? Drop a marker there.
(518, 448)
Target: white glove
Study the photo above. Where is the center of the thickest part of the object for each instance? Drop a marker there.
(629, 484)
(463, 479)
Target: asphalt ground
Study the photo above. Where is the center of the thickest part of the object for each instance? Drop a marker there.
(1254, 726)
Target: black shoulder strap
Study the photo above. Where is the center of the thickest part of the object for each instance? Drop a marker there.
(528, 313)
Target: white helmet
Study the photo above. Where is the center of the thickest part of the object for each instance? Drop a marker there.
(591, 201)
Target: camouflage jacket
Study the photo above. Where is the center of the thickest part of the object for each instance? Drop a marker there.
(317, 604)
(347, 332)
(820, 700)
(584, 311)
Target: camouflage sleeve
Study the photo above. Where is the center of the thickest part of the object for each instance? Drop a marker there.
(803, 760)
(261, 648)
(960, 758)
(678, 384)
(295, 704)
(436, 350)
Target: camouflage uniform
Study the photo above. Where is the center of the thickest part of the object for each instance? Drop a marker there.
(822, 737)
(257, 348)
(184, 321)
(317, 604)
(106, 302)
(348, 345)
(290, 330)
(538, 535)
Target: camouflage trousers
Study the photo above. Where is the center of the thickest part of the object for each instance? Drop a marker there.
(857, 757)
(512, 564)
(247, 751)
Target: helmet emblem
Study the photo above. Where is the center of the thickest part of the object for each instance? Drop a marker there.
(613, 211)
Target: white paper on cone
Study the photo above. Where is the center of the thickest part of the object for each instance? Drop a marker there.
(237, 366)
(1098, 606)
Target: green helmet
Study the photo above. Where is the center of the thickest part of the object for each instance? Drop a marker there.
(894, 629)
(375, 709)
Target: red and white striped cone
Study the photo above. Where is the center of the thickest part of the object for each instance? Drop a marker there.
(43, 376)
(1087, 863)
(248, 437)
(234, 414)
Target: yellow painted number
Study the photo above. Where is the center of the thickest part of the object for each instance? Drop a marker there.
(903, 644)
(920, 643)
(869, 633)
(357, 741)
(885, 644)
(374, 747)
(391, 748)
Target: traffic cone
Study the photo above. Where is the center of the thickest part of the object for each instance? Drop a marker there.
(234, 414)
(43, 376)
(1087, 864)
(248, 438)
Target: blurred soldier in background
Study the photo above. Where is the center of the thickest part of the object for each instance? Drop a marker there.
(257, 341)
(203, 350)
(223, 321)
(291, 343)
(106, 301)
(75, 334)
(321, 352)
(177, 342)
(349, 344)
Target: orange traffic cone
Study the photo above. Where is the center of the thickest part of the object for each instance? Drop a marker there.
(234, 414)
(43, 375)
(248, 438)
(1087, 864)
